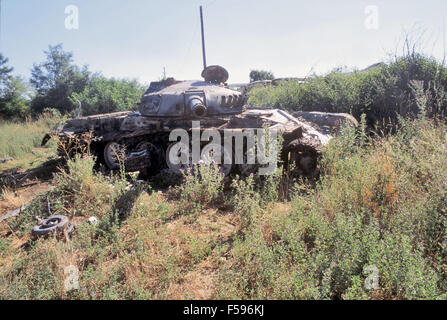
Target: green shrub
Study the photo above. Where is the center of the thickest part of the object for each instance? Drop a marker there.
(89, 191)
(245, 199)
(380, 205)
(382, 93)
(103, 95)
(202, 186)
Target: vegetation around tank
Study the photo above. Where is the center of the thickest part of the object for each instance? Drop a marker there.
(380, 203)
(382, 92)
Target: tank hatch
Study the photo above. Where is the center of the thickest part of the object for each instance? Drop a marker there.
(215, 74)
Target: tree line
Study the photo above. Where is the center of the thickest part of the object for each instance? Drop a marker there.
(58, 83)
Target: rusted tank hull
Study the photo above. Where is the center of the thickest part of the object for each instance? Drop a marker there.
(144, 140)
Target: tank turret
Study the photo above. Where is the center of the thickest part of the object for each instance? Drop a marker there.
(193, 99)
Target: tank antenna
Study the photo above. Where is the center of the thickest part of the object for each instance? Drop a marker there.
(203, 39)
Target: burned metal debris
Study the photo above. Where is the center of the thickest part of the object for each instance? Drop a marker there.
(140, 140)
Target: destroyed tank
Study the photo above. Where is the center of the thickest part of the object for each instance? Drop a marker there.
(140, 141)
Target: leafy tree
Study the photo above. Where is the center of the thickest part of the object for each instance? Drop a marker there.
(104, 95)
(5, 71)
(15, 100)
(5, 74)
(56, 79)
(14, 93)
(258, 75)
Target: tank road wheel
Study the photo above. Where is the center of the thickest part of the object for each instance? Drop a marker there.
(208, 155)
(303, 160)
(113, 155)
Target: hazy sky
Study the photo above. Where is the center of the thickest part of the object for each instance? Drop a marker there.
(137, 38)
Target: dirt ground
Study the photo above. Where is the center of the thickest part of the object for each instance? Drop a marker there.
(19, 186)
(14, 199)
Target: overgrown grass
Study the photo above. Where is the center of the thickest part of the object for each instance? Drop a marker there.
(380, 206)
(202, 186)
(18, 139)
(378, 212)
(381, 93)
(131, 253)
